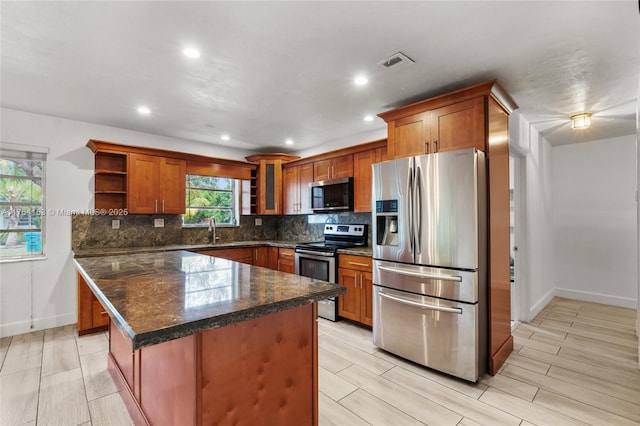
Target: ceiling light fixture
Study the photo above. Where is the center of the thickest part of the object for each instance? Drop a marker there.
(289, 141)
(191, 52)
(144, 110)
(360, 80)
(225, 137)
(368, 118)
(581, 121)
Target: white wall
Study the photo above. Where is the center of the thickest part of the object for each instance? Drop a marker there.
(535, 270)
(594, 221)
(42, 294)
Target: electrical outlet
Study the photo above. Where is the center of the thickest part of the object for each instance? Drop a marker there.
(258, 221)
(158, 223)
(115, 224)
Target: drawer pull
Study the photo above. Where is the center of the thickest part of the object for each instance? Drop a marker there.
(359, 264)
(103, 313)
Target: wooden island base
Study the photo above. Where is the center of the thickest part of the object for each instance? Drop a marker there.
(259, 371)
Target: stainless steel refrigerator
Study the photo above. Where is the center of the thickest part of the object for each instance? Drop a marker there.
(429, 250)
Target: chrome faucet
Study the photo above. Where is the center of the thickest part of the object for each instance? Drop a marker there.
(212, 229)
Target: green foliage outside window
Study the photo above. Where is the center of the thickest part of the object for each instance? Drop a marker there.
(21, 205)
(208, 197)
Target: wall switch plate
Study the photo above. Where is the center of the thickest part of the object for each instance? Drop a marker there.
(258, 221)
(158, 223)
(115, 224)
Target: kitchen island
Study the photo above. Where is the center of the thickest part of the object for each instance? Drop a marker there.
(199, 340)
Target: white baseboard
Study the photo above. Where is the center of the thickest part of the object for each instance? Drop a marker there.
(624, 302)
(21, 327)
(538, 306)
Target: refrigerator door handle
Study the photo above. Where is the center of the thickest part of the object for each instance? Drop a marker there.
(418, 209)
(410, 201)
(420, 305)
(421, 274)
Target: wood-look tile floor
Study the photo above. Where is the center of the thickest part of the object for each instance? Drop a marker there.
(575, 363)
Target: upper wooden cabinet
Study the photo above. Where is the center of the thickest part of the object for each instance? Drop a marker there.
(362, 162)
(130, 179)
(408, 135)
(269, 181)
(295, 184)
(333, 168)
(456, 126)
(449, 122)
(156, 185)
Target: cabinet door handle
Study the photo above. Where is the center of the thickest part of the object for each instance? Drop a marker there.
(360, 280)
(426, 147)
(328, 172)
(435, 145)
(156, 208)
(162, 206)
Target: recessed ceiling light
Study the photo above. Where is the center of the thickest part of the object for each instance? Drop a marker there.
(144, 110)
(225, 137)
(368, 118)
(191, 52)
(289, 141)
(360, 80)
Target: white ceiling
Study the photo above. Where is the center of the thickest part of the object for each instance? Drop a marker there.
(276, 70)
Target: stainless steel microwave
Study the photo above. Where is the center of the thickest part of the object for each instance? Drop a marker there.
(332, 195)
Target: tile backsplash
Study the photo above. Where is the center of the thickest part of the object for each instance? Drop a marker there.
(90, 232)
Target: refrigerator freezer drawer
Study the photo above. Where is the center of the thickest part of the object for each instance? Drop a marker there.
(436, 282)
(439, 334)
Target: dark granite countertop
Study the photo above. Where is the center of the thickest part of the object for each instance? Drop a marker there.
(357, 251)
(155, 297)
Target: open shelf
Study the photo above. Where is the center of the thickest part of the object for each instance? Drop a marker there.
(110, 180)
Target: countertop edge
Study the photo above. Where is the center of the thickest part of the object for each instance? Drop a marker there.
(357, 251)
(157, 336)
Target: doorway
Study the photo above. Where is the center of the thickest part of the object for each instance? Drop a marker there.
(516, 234)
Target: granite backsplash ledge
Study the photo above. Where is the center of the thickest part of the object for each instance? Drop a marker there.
(92, 231)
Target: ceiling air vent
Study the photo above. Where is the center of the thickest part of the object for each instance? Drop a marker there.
(396, 60)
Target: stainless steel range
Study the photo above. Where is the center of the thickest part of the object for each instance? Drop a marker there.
(318, 259)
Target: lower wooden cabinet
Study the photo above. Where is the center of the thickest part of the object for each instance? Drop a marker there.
(355, 273)
(287, 260)
(242, 255)
(261, 256)
(92, 317)
(236, 374)
(266, 257)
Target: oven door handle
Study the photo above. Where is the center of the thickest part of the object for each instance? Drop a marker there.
(314, 253)
(421, 305)
(421, 274)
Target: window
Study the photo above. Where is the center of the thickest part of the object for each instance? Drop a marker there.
(22, 213)
(209, 196)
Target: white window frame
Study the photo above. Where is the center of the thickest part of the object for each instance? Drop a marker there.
(10, 151)
(235, 209)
